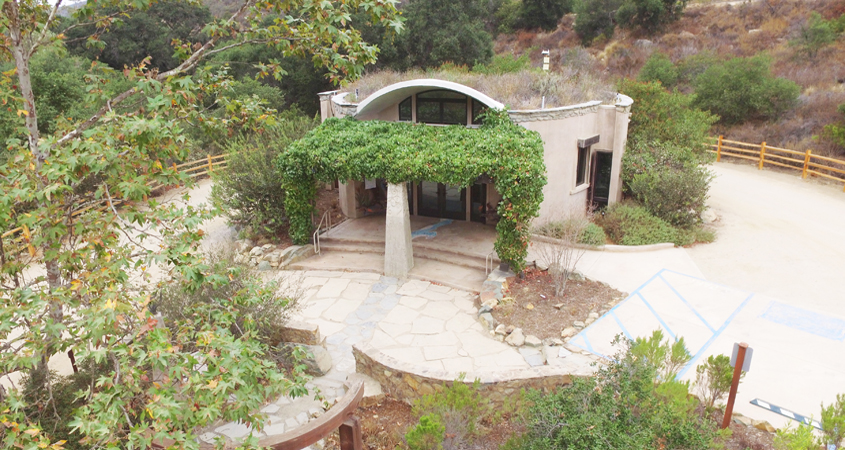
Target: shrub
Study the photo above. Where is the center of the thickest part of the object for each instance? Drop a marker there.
(677, 196)
(249, 191)
(561, 256)
(266, 313)
(543, 14)
(833, 421)
(666, 358)
(504, 64)
(659, 67)
(814, 35)
(428, 434)
(594, 18)
(458, 408)
(801, 438)
(628, 224)
(507, 16)
(592, 235)
(620, 407)
(836, 131)
(713, 379)
(649, 15)
(743, 89)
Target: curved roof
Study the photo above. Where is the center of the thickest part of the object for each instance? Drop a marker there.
(397, 92)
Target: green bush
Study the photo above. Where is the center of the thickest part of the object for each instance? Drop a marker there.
(458, 408)
(507, 16)
(649, 15)
(628, 224)
(742, 89)
(504, 64)
(659, 67)
(543, 14)
(801, 438)
(836, 131)
(666, 358)
(249, 191)
(592, 235)
(428, 434)
(623, 406)
(833, 422)
(815, 34)
(594, 18)
(677, 196)
(266, 313)
(713, 379)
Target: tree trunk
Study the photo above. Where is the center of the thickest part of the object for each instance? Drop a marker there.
(21, 54)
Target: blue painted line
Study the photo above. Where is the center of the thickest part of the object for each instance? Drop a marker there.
(687, 303)
(708, 281)
(805, 320)
(659, 319)
(624, 330)
(715, 335)
(430, 231)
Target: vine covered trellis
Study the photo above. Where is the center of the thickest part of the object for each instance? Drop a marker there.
(348, 149)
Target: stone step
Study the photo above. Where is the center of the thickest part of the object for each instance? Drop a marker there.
(339, 246)
(421, 250)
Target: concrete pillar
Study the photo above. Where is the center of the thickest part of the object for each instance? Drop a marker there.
(398, 252)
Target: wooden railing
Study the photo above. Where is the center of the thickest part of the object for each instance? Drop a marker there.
(805, 162)
(20, 237)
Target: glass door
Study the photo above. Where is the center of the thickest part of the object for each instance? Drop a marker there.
(440, 200)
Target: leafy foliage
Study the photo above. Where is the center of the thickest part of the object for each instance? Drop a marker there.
(543, 14)
(453, 414)
(833, 421)
(343, 149)
(676, 195)
(628, 224)
(249, 190)
(649, 15)
(592, 235)
(836, 131)
(667, 358)
(659, 67)
(800, 438)
(713, 379)
(440, 31)
(594, 18)
(815, 34)
(622, 406)
(148, 33)
(426, 435)
(504, 64)
(743, 89)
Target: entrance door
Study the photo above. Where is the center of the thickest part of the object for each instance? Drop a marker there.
(600, 179)
(440, 200)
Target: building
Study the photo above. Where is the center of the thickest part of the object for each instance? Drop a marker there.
(583, 148)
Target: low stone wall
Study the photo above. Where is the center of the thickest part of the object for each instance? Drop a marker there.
(300, 333)
(409, 382)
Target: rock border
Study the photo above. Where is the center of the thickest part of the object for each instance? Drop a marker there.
(269, 256)
(408, 382)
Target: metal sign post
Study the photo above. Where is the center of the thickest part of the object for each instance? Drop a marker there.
(741, 364)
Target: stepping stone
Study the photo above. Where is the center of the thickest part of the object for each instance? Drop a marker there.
(427, 325)
(234, 430)
(434, 295)
(413, 287)
(440, 310)
(274, 429)
(412, 302)
(532, 356)
(333, 288)
(270, 409)
(379, 288)
(400, 315)
(457, 364)
(436, 352)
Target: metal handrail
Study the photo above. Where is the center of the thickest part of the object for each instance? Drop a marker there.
(316, 236)
(490, 259)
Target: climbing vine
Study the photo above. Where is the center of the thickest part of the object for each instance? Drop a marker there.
(348, 149)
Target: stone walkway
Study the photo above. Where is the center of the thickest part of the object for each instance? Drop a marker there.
(416, 322)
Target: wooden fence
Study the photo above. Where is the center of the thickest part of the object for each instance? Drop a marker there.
(20, 238)
(762, 154)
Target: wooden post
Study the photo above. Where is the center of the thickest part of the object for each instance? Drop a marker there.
(719, 149)
(729, 408)
(210, 166)
(762, 155)
(806, 163)
(350, 435)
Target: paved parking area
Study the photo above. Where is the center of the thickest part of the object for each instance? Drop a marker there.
(798, 352)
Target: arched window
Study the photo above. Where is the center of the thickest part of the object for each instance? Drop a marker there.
(441, 106)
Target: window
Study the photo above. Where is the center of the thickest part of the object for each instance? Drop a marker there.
(405, 110)
(583, 163)
(446, 107)
(477, 109)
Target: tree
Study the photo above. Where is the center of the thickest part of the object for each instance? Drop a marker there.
(440, 31)
(147, 33)
(659, 67)
(649, 15)
(743, 89)
(543, 14)
(85, 284)
(815, 34)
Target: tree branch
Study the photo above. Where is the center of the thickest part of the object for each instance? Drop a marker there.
(43, 33)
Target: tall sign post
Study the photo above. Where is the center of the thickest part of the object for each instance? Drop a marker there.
(741, 361)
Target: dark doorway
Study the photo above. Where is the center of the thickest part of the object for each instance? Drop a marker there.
(600, 179)
(441, 200)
